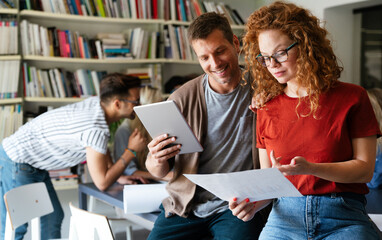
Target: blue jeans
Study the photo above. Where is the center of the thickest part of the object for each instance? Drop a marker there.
(329, 217)
(13, 175)
(220, 226)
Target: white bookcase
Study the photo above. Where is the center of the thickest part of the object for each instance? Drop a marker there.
(91, 25)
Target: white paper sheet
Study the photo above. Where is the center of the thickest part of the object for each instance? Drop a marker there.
(253, 184)
(377, 219)
(143, 198)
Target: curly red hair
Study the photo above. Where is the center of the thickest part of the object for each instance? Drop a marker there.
(317, 67)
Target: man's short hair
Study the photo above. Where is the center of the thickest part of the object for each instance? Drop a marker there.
(206, 23)
(117, 85)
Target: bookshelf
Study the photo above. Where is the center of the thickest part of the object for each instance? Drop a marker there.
(10, 100)
(90, 26)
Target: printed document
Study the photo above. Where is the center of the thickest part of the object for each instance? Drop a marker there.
(143, 198)
(253, 184)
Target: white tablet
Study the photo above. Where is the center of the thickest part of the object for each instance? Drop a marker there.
(165, 117)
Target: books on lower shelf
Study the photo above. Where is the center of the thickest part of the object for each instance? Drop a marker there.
(60, 83)
(11, 118)
(150, 75)
(9, 78)
(177, 45)
(8, 34)
(63, 178)
(51, 41)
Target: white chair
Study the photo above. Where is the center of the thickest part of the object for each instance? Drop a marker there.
(116, 221)
(85, 225)
(26, 203)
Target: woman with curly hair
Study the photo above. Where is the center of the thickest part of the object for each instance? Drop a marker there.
(319, 132)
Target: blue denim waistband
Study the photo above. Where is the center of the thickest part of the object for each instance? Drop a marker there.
(356, 196)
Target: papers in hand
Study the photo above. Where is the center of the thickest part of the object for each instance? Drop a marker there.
(253, 184)
(143, 198)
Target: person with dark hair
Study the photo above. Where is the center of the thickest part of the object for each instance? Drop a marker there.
(319, 132)
(65, 137)
(215, 105)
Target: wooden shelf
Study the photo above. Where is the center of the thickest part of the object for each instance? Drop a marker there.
(10, 57)
(32, 14)
(8, 11)
(10, 101)
(104, 61)
(52, 100)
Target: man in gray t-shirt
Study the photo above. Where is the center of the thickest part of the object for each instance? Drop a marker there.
(216, 107)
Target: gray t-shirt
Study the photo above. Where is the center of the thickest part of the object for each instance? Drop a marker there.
(228, 142)
(121, 141)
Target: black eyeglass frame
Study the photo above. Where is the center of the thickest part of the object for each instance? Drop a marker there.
(263, 62)
(130, 101)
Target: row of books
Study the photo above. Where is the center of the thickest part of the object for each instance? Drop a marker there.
(50, 41)
(9, 78)
(150, 75)
(177, 45)
(11, 118)
(9, 39)
(62, 178)
(82, 83)
(42, 41)
(144, 44)
(187, 10)
(60, 83)
(181, 10)
(8, 4)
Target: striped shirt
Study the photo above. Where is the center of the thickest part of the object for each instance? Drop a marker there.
(58, 138)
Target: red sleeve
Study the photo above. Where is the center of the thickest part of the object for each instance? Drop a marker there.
(259, 131)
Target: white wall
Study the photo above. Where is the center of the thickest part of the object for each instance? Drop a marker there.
(339, 20)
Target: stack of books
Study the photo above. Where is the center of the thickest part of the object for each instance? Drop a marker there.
(150, 75)
(114, 45)
(63, 178)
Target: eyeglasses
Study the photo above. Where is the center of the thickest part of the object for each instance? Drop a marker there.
(278, 57)
(130, 101)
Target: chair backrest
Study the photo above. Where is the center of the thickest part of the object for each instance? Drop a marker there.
(26, 203)
(86, 225)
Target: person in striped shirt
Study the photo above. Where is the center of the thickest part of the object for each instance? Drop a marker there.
(65, 137)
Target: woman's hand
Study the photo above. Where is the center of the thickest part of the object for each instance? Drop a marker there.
(245, 210)
(131, 180)
(297, 166)
(136, 141)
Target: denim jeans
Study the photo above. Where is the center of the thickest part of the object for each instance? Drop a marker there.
(13, 175)
(329, 217)
(220, 226)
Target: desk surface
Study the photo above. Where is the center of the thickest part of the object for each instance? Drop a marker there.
(114, 196)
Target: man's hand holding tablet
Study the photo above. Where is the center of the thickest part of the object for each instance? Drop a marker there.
(170, 132)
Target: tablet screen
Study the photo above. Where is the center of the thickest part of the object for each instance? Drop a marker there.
(165, 117)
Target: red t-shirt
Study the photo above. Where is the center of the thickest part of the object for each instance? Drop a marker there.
(345, 113)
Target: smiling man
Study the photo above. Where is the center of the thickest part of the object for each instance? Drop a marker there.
(215, 105)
